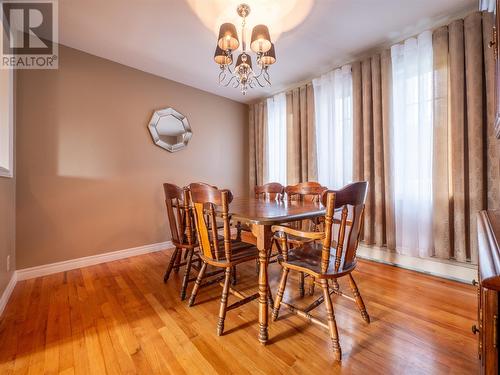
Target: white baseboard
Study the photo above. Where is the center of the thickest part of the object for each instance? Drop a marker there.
(47, 269)
(445, 269)
(7, 292)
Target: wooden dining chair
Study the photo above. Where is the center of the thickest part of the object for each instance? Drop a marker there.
(325, 259)
(218, 251)
(182, 232)
(311, 191)
(271, 191)
(305, 191)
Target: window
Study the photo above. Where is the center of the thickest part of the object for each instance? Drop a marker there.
(412, 138)
(6, 124)
(334, 127)
(276, 139)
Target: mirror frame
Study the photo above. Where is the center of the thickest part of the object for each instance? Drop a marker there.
(153, 129)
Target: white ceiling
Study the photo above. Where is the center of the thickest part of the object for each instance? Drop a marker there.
(166, 38)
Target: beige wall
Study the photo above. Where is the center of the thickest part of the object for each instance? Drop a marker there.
(88, 174)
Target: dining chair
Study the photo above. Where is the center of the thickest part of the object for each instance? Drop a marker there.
(222, 252)
(270, 191)
(219, 226)
(182, 232)
(304, 191)
(325, 259)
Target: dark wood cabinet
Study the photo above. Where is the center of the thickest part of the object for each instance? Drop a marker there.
(488, 290)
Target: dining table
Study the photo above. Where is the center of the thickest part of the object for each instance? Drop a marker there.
(260, 215)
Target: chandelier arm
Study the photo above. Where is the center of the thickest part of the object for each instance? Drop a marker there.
(267, 78)
(258, 81)
(222, 77)
(228, 82)
(265, 75)
(258, 75)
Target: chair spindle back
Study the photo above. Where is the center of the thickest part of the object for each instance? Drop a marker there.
(178, 212)
(350, 201)
(271, 191)
(308, 191)
(206, 199)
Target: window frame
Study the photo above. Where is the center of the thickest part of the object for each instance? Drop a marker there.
(7, 122)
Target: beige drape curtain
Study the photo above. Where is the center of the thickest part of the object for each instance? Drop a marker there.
(464, 159)
(301, 137)
(257, 129)
(466, 155)
(371, 118)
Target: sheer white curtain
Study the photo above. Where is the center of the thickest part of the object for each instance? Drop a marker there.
(412, 71)
(334, 127)
(276, 139)
(487, 5)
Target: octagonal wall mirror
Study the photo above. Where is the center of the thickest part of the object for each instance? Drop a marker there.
(170, 129)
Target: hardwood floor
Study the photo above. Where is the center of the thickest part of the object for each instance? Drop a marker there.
(119, 317)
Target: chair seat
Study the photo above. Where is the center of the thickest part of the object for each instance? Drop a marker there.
(307, 258)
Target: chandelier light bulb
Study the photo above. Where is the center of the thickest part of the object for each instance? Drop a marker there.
(228, 37)
(261, 41)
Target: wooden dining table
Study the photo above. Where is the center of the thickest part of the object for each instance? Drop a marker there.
(260, 215)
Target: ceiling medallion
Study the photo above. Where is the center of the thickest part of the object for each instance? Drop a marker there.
(243, 75)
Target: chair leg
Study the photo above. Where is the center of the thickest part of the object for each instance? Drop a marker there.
(170, 265)
(257, 266)
(197, 284)
(234, 279)
(269, 296)
(178, 259)
(359, 300)
(335, 285)
(332, 324)
(279, 294)
(223, 302)
(301, 284)
(238, 232)
(187, 272)
(311, 286)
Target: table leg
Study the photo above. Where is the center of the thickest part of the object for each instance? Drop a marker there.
(263, 234)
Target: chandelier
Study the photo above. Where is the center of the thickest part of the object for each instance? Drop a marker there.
(243, 75)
